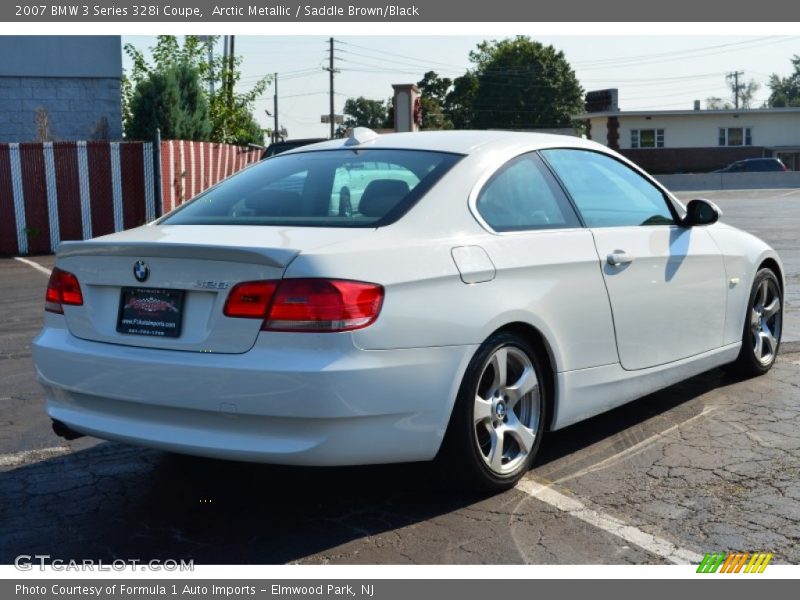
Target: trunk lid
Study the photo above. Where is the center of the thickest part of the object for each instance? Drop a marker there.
(190, 270)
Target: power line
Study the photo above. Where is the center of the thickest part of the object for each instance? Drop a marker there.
(676, 53)
(384, 60)
(406, 58)
(307, 94)
(705, 90)
(622, 62)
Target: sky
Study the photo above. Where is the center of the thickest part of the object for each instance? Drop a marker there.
(651, 72)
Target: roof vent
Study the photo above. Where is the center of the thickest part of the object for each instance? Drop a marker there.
(361, 135)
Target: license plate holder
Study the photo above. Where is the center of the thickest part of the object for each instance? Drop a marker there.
(153, 312)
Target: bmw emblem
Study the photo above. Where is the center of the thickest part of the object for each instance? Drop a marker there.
(501, 410)
(141, 271)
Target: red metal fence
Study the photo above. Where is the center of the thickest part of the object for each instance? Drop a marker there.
(188, 168)
(77, 190)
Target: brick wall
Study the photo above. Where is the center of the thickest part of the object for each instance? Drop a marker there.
(689, 160)
(74, 105)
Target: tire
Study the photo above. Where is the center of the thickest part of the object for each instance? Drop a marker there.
(763, 324)
(488, 415)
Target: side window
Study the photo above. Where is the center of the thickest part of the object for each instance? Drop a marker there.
(607, 192)
(522, 196)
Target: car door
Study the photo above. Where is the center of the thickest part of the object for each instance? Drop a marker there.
(546, 262)
(666, 283)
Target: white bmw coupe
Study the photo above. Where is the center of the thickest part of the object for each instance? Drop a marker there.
(405, 297)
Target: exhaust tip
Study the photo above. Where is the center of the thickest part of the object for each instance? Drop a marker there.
(62, 431)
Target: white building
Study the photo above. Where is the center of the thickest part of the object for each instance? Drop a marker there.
(683, 141)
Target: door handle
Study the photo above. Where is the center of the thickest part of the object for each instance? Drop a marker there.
(618, 258)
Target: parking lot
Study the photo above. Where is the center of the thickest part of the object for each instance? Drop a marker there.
(710, 464)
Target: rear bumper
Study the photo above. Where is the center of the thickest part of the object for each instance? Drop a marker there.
(292, 399)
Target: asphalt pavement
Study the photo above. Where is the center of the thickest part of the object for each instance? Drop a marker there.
(710, 464)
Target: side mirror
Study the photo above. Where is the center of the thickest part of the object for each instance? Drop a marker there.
(701, 212)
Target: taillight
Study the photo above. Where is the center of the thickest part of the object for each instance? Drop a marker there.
(307, 304)
(63, 288)
(250, 299)
(323, 305)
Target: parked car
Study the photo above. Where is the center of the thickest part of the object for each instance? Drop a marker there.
(754, 165)
(286, 145)
(486, 287)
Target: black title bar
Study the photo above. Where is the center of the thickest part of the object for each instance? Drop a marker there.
(465, 11)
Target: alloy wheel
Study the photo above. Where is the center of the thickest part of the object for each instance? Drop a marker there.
(507, 409)
(765, 321)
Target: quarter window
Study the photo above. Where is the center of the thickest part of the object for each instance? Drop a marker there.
(647, 138)
(607, 192)
(735, 136)
(522, 195)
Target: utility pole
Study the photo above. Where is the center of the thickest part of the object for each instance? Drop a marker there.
(331, 70)
(736, 88)
(230, 75)
(275, 111)
(224, 56)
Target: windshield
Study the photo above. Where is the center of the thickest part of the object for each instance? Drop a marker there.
(324, 188)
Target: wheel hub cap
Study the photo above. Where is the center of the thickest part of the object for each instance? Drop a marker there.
(500, 411)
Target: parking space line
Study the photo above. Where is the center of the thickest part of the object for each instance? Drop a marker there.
(636, 448)
(29, 456)
(575, 508)
(789, 193)
(35, 265)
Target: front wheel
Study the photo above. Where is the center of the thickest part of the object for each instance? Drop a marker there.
(762, 326)
(499, 415)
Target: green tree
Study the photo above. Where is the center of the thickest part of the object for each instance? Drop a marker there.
(363, 112)
(458, 105)
(717, 103)
(230, 109)
(521, 84)
(785, 91)
(433, 94)
(172, 100)
(742, 93)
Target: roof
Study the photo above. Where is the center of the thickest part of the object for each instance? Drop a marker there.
(456, 142)
(688, 112)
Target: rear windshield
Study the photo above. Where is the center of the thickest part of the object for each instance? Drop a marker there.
(323, 188)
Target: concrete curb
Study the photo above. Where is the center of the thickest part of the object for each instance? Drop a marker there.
(730, 181)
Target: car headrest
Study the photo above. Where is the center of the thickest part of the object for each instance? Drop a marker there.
(381, 195)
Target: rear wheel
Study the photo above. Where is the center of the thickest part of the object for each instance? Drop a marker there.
(499, 415)
(762, 326)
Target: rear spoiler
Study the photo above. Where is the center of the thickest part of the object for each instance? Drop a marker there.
(271, 257)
